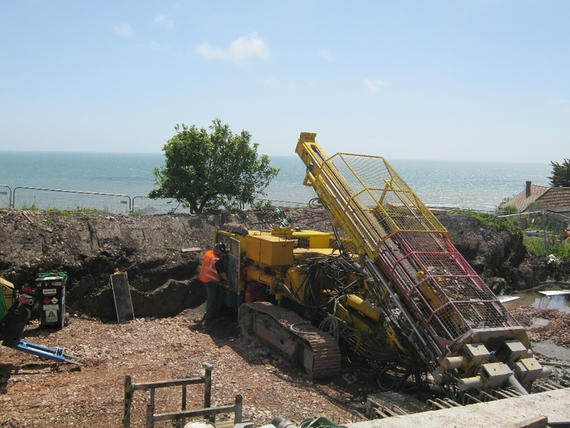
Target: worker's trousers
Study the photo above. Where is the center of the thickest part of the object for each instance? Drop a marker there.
(214, 294)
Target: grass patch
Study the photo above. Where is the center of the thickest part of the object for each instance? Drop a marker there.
(491, 220)
(536, 244)
(67, 213)
(29, 208)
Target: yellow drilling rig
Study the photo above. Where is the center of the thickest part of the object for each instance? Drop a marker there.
(387, 285)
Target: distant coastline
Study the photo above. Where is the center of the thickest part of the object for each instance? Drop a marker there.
(473, 185)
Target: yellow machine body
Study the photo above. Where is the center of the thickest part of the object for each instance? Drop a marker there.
(278, 259)
(270, 250)
(7, 295)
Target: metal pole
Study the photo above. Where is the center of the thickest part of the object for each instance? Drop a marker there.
(544, 230)
(208, 389)
(238, 409)
(14, 197)
(150, 411)
(128, 399)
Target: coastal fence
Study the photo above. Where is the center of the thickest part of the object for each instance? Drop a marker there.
(284, 204)
(545, 232)
(146, 205)
(65, 199)
(46, 198)
(37, 197)
(5, 196)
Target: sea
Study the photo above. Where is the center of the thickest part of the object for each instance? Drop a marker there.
(121, 182)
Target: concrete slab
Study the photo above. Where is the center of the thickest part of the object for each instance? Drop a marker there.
(500, 413)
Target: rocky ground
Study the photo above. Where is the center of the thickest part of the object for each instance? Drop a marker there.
(161, 254)
(545, 324)
(40, 393)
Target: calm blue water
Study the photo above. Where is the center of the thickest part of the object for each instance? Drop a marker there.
(475, 185)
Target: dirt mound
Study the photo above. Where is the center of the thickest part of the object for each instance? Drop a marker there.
(160, 254)
(495, 254)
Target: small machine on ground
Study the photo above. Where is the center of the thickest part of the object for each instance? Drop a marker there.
(17, 306)
(387, 286)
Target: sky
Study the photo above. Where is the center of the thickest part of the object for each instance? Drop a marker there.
(482, 80)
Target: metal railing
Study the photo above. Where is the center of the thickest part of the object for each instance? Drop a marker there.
(20, 198)
(133, 203)
(6, 193)
(290, 204)
(160, 205)
(77, 192)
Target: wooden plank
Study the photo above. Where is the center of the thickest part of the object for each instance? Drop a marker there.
(192, 413)
(166, 383)
(122, 297)
(129, 390)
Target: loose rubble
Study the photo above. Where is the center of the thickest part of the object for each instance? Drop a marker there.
(39, 393)
(555, 328)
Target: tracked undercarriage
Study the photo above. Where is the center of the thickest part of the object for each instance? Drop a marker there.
(316, 351)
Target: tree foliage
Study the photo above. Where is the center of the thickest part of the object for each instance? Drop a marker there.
(206, 170)
(560, 173)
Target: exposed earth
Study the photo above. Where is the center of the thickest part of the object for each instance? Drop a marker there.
(161, 253)
(166, 341)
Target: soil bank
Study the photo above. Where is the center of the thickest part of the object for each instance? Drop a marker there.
(162, 253)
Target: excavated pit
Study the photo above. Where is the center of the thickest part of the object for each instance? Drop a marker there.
(161, 254)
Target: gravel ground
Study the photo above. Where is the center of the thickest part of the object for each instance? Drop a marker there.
(555, 325)
(35, 392)
(41, 393)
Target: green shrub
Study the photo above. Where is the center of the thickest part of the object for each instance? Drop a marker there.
(492, 220)
(536, 245)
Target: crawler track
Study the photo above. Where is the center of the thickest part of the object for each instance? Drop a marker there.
(294, 336)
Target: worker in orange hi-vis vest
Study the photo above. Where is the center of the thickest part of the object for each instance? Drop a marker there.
(212, 271)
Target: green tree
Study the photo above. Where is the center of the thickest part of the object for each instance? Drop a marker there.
(560, 173)
(206, 170)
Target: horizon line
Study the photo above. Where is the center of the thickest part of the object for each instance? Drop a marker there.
(273, 156)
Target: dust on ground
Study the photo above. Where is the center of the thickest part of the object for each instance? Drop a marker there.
(40, 393)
